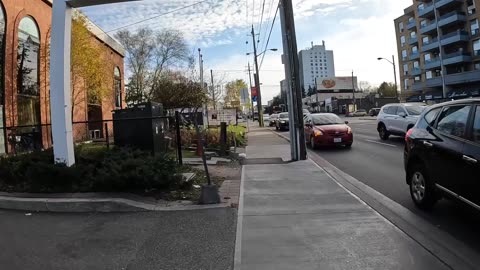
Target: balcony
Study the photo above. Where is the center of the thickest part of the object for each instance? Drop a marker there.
(413, 40)
(432, 63)
(411, 25)
(430, 45)
(434, 82)
(455, 58)
(428, 28)
(414, 56)
(454, 37)
(450, 18)
(426, 10)
(474, 33)
(447, 3)
(476, 54)
(416, 71)
(418, 86)
(463, 77)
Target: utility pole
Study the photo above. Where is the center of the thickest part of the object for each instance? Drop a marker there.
(213, 91)
(395, 76)
(353, 91)
(289, 24)
(288, 92)
(257, 81)
(250, 78)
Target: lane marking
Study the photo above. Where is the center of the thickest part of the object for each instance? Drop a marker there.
(391, 145)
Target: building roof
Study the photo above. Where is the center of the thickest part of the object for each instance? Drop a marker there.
(100, 34)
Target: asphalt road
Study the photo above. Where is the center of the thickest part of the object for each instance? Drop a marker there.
(379, 164)
(202, 239)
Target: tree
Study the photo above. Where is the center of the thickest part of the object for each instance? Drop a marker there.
(175, 91)
(232, 93)
(90, 70)
(310, 91)
(215, 91)
(304, 92)
(149, 55)
(386, 90)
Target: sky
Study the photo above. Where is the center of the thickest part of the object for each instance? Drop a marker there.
(358, 31)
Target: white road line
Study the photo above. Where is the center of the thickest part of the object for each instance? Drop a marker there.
(391, 145)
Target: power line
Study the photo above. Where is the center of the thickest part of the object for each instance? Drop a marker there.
(261, 21)
(268, 40)
(266, 28)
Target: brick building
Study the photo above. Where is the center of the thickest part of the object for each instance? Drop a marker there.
(24, 77)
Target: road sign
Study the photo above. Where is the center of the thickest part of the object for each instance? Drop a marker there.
(254, 98)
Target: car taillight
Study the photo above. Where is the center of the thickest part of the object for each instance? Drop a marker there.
(318, 133)
(408, 135)
(349, 130)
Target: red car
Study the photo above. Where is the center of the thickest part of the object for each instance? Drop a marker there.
(327, 129)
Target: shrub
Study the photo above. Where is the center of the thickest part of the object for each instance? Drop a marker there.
(96, 169)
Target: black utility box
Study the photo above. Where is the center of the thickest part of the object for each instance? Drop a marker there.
(141, 127)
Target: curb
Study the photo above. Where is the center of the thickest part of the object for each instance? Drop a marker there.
(82, 205)
(450, 251)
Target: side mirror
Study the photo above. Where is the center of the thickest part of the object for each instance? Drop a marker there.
(402, 114)
(346, 122)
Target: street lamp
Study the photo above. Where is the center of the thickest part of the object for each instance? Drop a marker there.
(273, 50)
(394, 72)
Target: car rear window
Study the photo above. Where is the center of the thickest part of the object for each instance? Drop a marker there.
(453, 120)
(392, 110)
(431, 116)
(283, 115)
(415, 110)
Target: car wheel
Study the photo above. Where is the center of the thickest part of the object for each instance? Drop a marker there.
(383, 133)
(312, 143)
(422, 189)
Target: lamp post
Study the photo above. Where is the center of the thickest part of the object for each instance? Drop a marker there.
(394, 72)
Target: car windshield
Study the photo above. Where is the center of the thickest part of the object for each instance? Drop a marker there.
(326, 119)
(415, 110)
(283, 116)
(273, 116)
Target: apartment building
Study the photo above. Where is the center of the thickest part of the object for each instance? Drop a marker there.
(315, 63)
(24, 77)
(438, 45)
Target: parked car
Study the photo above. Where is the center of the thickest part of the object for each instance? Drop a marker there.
(255, 116)
(282, 122)
(374, 111)
(273, 119)
(305, 112)
(442, 154)
(360, 112)
(397, 119)
(327, 129)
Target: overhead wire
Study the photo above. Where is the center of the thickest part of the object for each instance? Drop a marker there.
(261, 21)
(269, 35)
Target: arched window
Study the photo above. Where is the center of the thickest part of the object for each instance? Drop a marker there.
(2, 79)
(28, 58)
(117, 85)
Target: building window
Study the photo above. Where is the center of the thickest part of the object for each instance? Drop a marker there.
(405, 83)
(411, 19)
(400, 26)
(428, 75)
(471, 8)
(117, 85)
(476, 47)
(413, 34)
(421, 6)
(423, 23)
(28, 96)
(477, 66)
(427, 57)
(414, 49)
(417, 78)
(474, 27)
(425, 40)
(402, 40)
(404, 54)
(405, 69)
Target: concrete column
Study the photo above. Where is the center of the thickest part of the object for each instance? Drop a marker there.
(60, 92)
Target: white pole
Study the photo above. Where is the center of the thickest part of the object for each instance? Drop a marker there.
(60, 93)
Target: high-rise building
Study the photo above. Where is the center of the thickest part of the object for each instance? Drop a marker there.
(315, 63)
(438, 45)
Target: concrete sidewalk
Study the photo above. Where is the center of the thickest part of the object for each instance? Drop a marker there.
(295, 216)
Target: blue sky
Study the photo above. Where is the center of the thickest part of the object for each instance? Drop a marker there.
(358, 31)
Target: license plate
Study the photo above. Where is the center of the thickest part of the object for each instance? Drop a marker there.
(337, 140)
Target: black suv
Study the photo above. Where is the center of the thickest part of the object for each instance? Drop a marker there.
(442, 154)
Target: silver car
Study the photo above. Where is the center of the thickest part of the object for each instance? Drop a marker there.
(397, 119)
